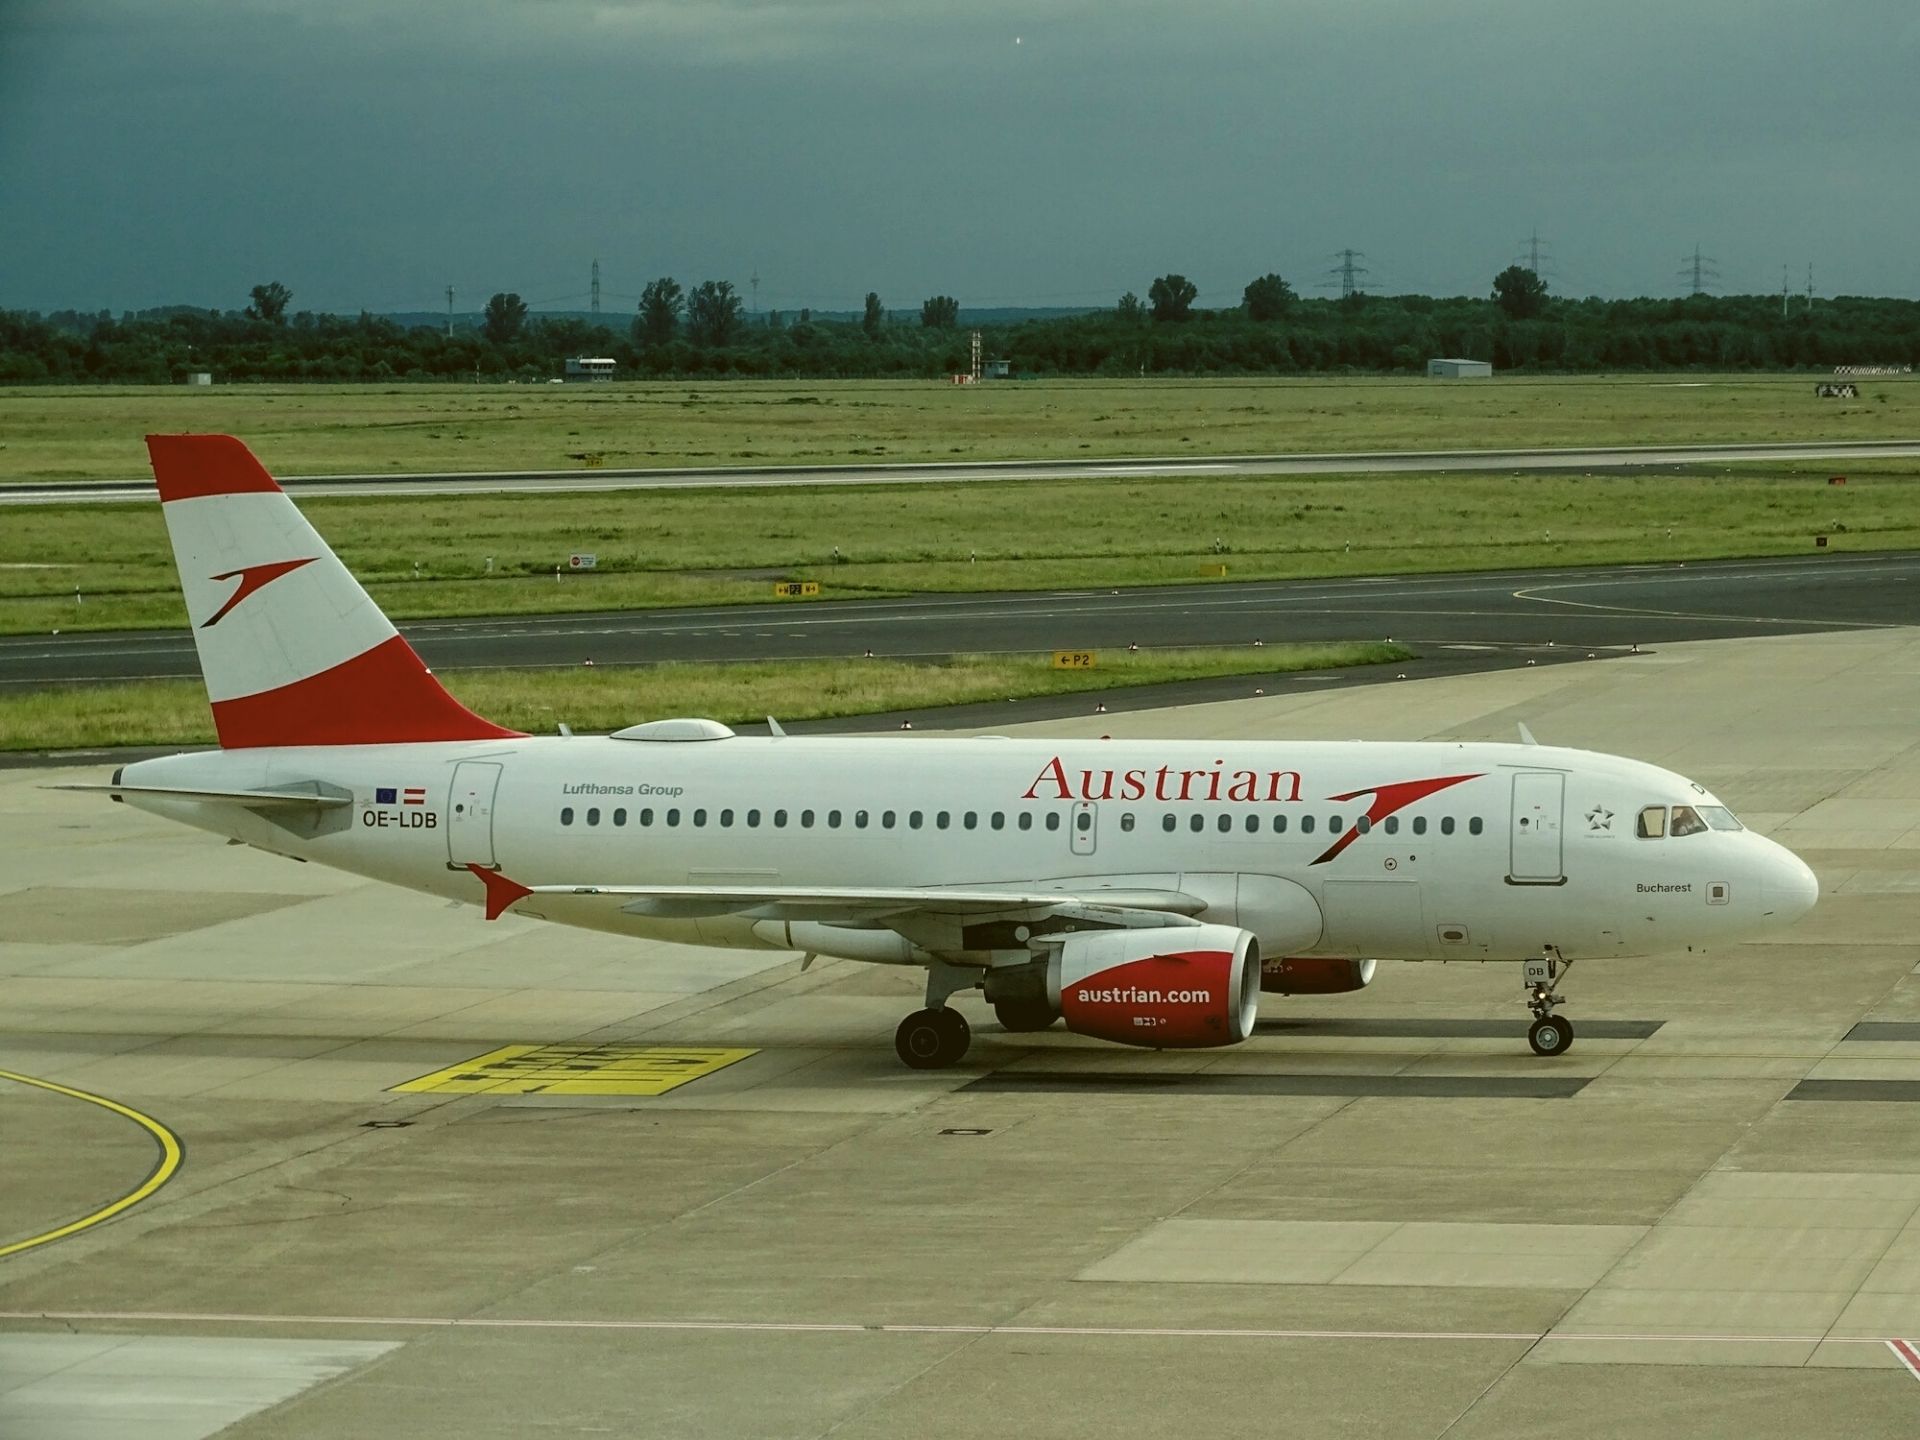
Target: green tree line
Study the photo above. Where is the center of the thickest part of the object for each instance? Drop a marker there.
(705, 331)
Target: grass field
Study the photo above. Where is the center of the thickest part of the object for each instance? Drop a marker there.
(66, 433)
(174, 712)
(699, 547)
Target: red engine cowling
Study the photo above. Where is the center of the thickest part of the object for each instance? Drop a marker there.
(1185, 987)
(1314, 975)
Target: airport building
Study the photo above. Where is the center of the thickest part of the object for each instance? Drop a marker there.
(1459, 370)
(590, 367)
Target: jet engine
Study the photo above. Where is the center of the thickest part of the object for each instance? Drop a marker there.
(1184, 987)
(1314, 975)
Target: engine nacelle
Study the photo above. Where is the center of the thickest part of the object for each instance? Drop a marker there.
(1184, 987)
(1314, 975)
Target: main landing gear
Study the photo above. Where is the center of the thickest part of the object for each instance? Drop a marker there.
(937, 1037)
(1550, 1034)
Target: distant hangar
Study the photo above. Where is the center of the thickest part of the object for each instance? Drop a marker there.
(1459, 370)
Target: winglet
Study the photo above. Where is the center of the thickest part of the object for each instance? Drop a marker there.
(773, 728)
(502, 894)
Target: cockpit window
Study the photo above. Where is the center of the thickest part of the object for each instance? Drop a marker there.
(1653, 822)
(1719, 817)
(1686, 821)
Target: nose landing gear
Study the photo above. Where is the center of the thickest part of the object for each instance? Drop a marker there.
(1550, 1034)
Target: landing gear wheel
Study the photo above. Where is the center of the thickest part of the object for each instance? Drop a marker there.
(1021, 1017)
(932, 1039)
(1550, 1035)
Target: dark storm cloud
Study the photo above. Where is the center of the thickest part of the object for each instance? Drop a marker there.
(370, 155)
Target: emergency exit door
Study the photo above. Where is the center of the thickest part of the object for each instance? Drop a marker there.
(1536, 858)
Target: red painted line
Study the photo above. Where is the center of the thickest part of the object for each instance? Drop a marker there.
(1909, 1355)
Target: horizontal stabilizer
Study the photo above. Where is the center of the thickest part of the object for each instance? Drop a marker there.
(251, 799)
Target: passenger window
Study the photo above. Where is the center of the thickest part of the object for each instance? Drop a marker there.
(859, 819)
(1419, 824)
(1474, 827)
(593, 815)
(1226, 823)
(1168, 823)
(806, 819)
(779, 819)
(619, 817)
(1363, 825)
(1653, 822)
(833, 819)
(1026, 820)
(699, 817)
(1197, 823)
(726, 819)
(1279, 824)
(942, 820)
(999, 820)
(914, 817)
(753, 819)
(971, 821)
(886, 820)
(1686, 821)
(566, 815)
(1126, 820)
(1053, 820)
(1306, 824)
(1446, 824)
(1253, 823)
(646, 816)
(673, 817)
(1083, 822)
(1391, 824)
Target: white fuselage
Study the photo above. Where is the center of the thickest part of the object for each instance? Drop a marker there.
(1519, 847)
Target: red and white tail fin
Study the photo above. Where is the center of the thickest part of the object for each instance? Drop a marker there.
(293, 651)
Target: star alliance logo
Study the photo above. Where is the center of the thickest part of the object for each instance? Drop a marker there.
(1599, 818)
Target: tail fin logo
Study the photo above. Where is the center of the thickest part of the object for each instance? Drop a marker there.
(252, 578)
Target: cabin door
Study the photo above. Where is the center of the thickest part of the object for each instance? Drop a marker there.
(1083, 827)
(1536, 858)
(470, 814)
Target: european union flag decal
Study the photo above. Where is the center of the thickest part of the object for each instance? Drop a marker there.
(383, 795)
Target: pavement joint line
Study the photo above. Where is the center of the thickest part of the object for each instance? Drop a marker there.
(854, 1327)
(166, 1163)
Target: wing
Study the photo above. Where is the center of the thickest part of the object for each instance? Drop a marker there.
(938, 919)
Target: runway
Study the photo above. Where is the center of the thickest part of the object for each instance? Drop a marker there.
(1380, 1211)
(1462, 616)
(1373, 462)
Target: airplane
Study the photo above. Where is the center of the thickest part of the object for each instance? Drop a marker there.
(1140, 891)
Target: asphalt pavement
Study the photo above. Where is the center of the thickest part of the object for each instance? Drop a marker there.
(1606, 457)
(1472, 618)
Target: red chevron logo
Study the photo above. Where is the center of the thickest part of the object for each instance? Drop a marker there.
(1386, 799)
(252, 578)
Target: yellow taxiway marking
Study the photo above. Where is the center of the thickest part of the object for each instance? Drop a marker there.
(163, 1169)
(577, 1070)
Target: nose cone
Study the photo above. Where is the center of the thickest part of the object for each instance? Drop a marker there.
(1790, 888)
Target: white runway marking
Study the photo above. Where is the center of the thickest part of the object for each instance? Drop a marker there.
(1908, 1355)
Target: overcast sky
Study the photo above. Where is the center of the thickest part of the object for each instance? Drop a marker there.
(368, 153)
